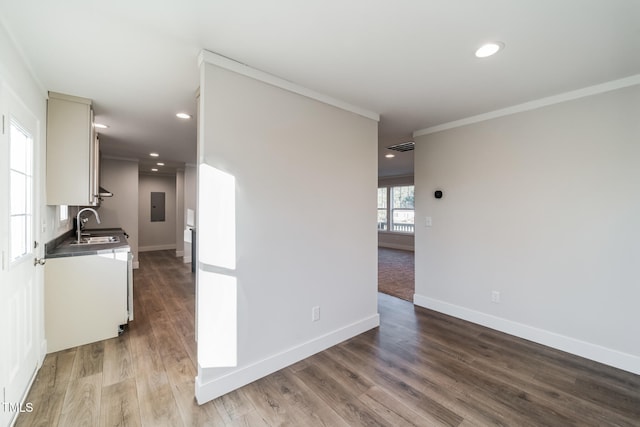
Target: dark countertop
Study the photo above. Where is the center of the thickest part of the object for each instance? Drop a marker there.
(63, 247)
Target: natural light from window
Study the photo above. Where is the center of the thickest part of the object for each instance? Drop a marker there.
(396, 212)
(63, 214)
(217, 283)
(21, 188)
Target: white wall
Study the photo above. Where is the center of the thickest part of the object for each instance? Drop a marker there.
(542, 206)
(190, 188)
(16, 78)
(306, 176)
(119, 176)
(395, 240)
(159, 235)
(190, 184)
(180, 212)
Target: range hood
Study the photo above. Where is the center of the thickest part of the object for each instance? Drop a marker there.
(102, 192)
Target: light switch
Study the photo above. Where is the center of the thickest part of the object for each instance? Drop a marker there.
(427, 222)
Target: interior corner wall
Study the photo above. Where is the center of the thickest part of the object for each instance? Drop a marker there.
(190, 188)
(306, 175)
(190, 184)
(120, 176)
(180, 213)
(396, 240)
(156, 235)
(541, 206)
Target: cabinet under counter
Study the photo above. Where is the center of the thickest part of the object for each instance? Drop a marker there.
(85, 299)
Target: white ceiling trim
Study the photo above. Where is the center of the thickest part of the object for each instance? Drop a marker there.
(128, 159)
(532, 105)
(235, 66)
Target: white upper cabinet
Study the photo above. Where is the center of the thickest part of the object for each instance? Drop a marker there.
(72, 152)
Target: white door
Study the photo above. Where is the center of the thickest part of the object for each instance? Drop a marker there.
(18, 233)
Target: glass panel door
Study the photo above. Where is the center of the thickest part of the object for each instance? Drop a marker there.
(21, 191)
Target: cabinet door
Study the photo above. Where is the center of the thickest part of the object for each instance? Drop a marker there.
(95, 166)
(70, 151)
(85, 299)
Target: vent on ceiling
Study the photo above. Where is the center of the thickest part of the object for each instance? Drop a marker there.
(405, 146)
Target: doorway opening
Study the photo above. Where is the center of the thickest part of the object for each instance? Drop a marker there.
(396, 273)
(396, 225)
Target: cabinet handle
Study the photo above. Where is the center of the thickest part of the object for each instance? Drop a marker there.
(39, 261)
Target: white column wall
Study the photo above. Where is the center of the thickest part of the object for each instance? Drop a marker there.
(306, 176)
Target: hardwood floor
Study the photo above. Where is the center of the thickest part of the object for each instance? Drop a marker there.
(419, 368)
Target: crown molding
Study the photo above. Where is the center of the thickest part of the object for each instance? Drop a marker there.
(532, 105)
(128, 159)
(240, 68)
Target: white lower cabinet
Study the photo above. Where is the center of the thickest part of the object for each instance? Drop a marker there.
(85, 299)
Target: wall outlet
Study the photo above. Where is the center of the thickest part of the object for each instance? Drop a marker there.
(315, 313)
(495, 296)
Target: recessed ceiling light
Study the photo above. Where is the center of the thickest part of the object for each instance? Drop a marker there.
(100, 126)
(154, 170)
(160, 164)
(183, 116)
(489, 49)
(154, 154)
(389, 156)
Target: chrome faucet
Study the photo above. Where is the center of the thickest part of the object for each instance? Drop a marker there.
(79, 223)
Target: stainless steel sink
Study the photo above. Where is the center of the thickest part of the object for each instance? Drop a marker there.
(97, 240)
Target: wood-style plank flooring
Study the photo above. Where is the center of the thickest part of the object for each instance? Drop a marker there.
(419, 368)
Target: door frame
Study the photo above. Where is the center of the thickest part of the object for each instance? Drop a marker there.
(11, 105)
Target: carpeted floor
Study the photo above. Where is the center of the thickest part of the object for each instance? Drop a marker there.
(396, 273)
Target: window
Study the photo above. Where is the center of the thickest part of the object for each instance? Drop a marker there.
(396, 209)
(21, 187)
(382, 208)
(63, 215)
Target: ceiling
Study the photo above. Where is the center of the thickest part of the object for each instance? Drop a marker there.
(411, 61)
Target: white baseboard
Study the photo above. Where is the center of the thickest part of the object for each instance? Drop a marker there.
(247, 374)
(187, 259)
(598, 353)
(156, 248)
(396, 246)
(179, 254)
